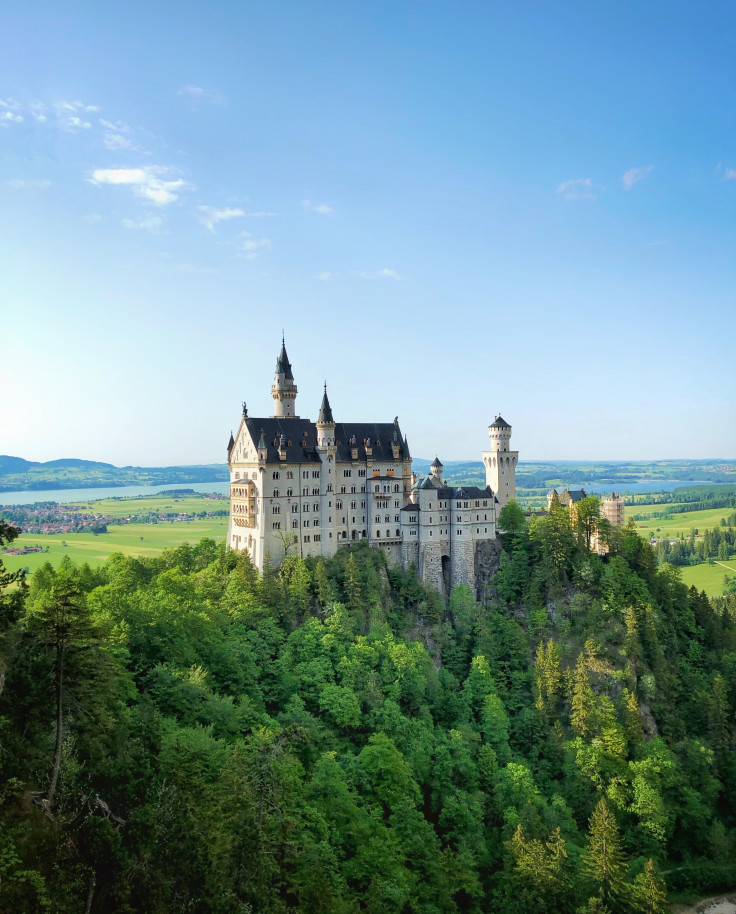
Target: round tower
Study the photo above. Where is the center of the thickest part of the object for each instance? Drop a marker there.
(283, 389)
(436, 471)
(500, 462)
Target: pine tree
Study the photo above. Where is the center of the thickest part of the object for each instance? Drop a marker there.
(650, 891)
(583, 700)
(632, 718)
(604, 860)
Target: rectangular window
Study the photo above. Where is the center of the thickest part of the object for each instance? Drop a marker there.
(317, 538)
(347, 472)
(361, 472)
(306, 539)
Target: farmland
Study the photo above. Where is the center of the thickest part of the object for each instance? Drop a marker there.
(147, 538)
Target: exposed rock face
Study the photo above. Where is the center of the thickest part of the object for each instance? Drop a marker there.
(486, 564)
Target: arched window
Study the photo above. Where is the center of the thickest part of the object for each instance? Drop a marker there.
(289, 493)
(275, 493)
(396, 488)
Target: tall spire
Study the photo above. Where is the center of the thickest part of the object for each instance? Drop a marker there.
(325, 411)
(283, 365)
(283, 389)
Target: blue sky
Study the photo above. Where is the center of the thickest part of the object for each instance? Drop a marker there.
(452, 209)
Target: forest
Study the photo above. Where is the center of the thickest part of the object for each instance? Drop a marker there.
(185, 734)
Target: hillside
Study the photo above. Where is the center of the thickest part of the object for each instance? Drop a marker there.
(333, 738)
(20, 475)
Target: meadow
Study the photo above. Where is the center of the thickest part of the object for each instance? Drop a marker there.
(145, 539)
(676, 523)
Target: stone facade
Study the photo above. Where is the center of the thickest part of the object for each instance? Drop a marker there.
(306, 488)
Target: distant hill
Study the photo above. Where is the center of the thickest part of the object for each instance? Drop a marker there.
(21, 465)
(20, 475)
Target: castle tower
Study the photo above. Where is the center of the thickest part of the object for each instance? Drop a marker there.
(325, 423)
(283, 389)
(500, 462)
(436, 471)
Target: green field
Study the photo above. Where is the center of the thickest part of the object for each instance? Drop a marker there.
(131, 539)
(676, 523)
(709, 578)
(143, 504)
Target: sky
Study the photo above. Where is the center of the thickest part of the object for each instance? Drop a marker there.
(451, 210)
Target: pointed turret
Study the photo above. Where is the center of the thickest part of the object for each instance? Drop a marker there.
(325, 411)
(325, 423)
(230, 444)
(407, 453)
(284, 389)
(436, 471)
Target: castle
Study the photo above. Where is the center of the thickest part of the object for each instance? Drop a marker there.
(307, 488)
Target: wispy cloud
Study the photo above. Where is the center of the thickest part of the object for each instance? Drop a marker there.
(253, 247)
(198, 94)
(149, 223)
(385, 273)
(261, 215)
(634, 175)
(729, 174)
(209, 216)
(322, 208)
(71, 116)
(324, 276)
(10, 112)
(577, 189)
(28, 184)
(149, 183)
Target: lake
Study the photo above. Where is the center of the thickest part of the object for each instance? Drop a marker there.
(68, 496)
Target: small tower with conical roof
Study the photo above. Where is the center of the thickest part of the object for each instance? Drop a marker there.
(500, 462)
(325, 423)
(284, 389)
(436, 471)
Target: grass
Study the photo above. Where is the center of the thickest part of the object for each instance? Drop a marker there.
(131, 539)
(143, 504)
(676, 523)
(709, 578)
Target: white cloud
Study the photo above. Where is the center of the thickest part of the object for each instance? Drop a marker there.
(322, 208)
(258, 215)
(70, 115)
(385, 273)
(211, 215)
(324, 276)
(10, 112)
(197, 93)
(633, 175)
(92, 217)
(577, 189)
(149, 222)
(38, 111)
(253, 247)
(149, 183)
(729, 174)
(116, 141)
(33, 183)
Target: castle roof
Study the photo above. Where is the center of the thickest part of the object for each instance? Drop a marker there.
(411, 507)
(499, 422)
(283, 365)
(301, 439)
(230, 443)
(437, 462)
(325, 411)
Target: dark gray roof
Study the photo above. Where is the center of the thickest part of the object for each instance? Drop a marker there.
(437, 462)
(303, 437)
(406, 449)
(410, 508)
(499, 422)
(448, 492)
(230, 443)
(283, 366)
(576, 494)
(325, 411)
